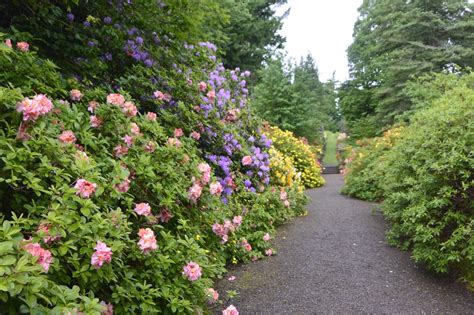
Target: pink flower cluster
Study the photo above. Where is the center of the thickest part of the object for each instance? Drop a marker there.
(34, 108)
(147, 240)
(269, 252)
(164, 216)
(223, 230)
(198, 184)
(213, 295)
(127, 107)
(92, 106)
(84, 188)
(173, 142)
(162, 96)
(192, 270)
(75, 95)
(102, 254)
(151, 116)
(43, 228)
(284, 198)
(231, 310)
(67, 137)
(216, 188)
(266, 237)
(44, 256)
(124, 186)
(247, 160)
(245, 244)
(143, 209)
(202, 86)
(178, 132)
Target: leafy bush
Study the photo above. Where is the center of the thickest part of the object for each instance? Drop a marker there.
(302, 156)
(364, 174)
(429, 184)
(139, 211)
(424, 174)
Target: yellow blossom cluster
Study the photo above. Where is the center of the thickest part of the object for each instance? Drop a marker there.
(301, 155)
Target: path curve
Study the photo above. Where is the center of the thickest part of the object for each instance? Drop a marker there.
(336, 261)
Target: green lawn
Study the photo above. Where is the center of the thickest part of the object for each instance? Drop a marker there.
(330, 155)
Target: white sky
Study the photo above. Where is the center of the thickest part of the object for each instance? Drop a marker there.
(323, 28)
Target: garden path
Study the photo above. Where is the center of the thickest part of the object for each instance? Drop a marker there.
(336, 260)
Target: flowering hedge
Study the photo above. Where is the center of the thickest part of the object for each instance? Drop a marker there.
(112, 204)
(302, 156)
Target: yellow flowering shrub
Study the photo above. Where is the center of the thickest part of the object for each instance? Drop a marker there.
(282, 171)
(301, 155)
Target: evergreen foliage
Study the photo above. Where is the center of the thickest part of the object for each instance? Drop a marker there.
(395, 41)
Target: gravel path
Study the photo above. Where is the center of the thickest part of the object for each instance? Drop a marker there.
(336, 261)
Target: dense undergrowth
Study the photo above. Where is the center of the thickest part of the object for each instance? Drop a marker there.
(423, 172)
(132, 169)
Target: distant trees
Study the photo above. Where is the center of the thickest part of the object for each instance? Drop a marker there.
(292, 97)
(394, 41)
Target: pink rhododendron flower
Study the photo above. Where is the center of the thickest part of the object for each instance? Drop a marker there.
(213, 295)
(174, 142)
(218, 229)
(202, 86)
(135, 129)
(231, 278)
(195, 135)
(195, 191)
(211, 95)
(92, 106)
(143, 209)
(120, 150)
(129, 109)
(128, 140)
(159, 95)
(164, 216)
(102, 254)
(33, 108)
(44, 256)
(151, 116)
(150, 146)
(216, 188)
(8, 42)
(84, 188)
(115, 99)
(246, 245)
(75, 95)
(204, 168)
(178, 132)
(231, 310)
(228, 226)
(124, 186)
(283, 195)
(95, 121)
(237, 220)
(266, 237)
(167, 97)
(232, 115)
(108, 308)
(192, 271)
(23, 46)
(247, 160)
(286, 203)
(67, 137)
(43, 228)
(147, 240)
(269, 252)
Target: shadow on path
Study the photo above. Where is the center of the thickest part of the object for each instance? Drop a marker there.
(336, 260)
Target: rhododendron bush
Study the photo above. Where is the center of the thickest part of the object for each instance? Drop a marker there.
(114, 202)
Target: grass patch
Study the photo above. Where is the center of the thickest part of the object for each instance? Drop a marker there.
(330, 154)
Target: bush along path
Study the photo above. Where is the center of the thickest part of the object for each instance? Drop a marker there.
(336, 260)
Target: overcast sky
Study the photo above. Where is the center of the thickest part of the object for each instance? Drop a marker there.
(323, 28)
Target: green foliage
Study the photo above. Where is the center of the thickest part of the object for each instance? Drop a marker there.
(395, 41)
(40, 203)
(425, 176)
(252, 32)
(293, 98)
